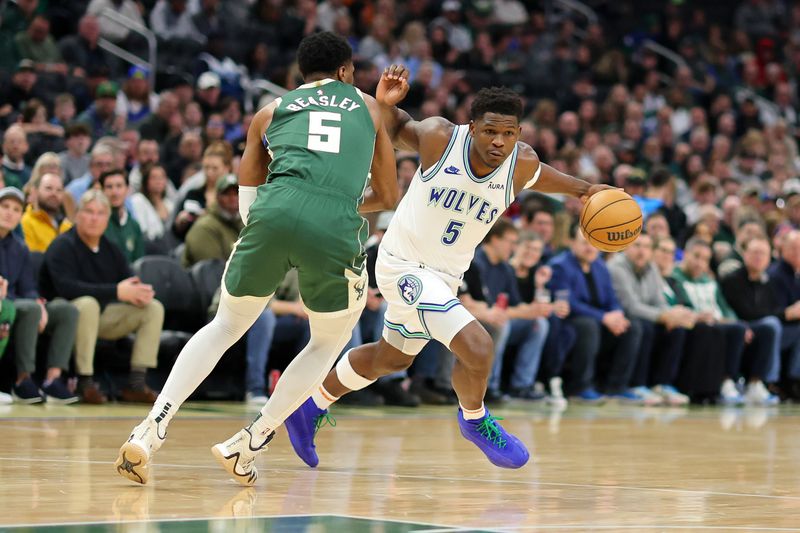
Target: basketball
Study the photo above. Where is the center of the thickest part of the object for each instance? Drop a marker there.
(611, 220)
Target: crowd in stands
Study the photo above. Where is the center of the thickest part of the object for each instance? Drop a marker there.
(102, 170)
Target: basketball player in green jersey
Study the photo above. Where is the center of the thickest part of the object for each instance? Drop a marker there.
(315, 148)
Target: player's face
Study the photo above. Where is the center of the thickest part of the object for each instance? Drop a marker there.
(495, 137)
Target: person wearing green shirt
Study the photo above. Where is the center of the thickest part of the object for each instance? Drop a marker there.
(122, 229)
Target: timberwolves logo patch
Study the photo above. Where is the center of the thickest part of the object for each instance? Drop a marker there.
(410, 288)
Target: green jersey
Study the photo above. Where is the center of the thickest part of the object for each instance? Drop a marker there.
(322, 133)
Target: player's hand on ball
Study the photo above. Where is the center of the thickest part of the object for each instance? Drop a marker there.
(393, 85)
(594, 189)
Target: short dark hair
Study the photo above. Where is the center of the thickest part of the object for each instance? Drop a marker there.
(76, 129)
(113, 172)
(695, 242)
(500, 228)
(500, 100)
(323, 53)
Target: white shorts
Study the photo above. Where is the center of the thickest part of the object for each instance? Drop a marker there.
(422, 304)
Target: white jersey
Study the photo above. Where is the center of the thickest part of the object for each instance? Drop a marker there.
(447, 210)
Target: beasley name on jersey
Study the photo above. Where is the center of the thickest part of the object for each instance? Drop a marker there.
(447, 210)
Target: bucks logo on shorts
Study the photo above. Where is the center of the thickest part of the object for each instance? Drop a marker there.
(410, 288)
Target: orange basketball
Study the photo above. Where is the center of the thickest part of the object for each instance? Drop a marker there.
(611, 220)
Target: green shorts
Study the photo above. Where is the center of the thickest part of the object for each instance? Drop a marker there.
(293, 224)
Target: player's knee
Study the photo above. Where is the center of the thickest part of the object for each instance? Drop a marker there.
(474, 348)
(394, 363)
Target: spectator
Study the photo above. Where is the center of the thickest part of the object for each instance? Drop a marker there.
(232, 119)
(784, 276)
(111, 29)
(152, 206)
(15, 146)
(75, 159)
(123, 230)
(101, 160)
(541, 222)
(7, 316)
(101, 117)
(706, 299)
(171, 20)
(752, 298)
(135, 102)
(208, 92)
(38, 45)
(33, 314)
(44, 219)
(24, 86)
(216, 163)
(82, 51)
(42, 135)
(147, 154)
(157, 125)
(639, 288)
(528, 324)
(599, 322)
(190, 152)
(64, 110)
(86, 268)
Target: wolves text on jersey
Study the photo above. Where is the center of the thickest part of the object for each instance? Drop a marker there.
(463, 202)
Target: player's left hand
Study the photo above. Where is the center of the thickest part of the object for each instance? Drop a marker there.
(594, 189)
(393, 85)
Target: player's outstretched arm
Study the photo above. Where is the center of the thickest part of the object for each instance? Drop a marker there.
(384, 192)
(533, 174)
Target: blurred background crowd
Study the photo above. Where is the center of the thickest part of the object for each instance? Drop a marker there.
(123, 123)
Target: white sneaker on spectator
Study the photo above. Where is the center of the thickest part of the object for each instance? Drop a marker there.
(6, 399)
(646, 396)
(757, 394)
(670, 395)
(556, 397)
(730, 394)
(251, 398)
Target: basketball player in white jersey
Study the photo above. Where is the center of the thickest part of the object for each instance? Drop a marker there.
(468, 176)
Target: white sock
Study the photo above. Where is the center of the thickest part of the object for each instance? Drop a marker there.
(472, 414)
(322, 398)
(201, 354)
(163, 410)
(306, 372)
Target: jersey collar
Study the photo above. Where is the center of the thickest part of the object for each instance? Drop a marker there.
(318, 83)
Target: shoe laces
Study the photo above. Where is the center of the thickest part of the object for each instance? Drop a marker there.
(323, 420)
(489, 430)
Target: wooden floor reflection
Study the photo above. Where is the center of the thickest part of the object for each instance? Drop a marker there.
(612, 468)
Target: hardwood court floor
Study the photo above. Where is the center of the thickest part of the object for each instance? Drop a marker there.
(391, 470)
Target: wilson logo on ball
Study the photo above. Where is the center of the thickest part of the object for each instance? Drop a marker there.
(614, 236)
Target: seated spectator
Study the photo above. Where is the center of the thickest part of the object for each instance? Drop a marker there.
(38, 45)
(600, 324)
(542, 223)
(152, 206)
(706, 299)
(33, 314)
(64, 110)
(44, 218)
(100, 160)
(48, 163)
(42, 135)
(135, 101)
(532, 279)
(81, 51)
(753, 298)
(212, 237)
(86, 268)
(189, 152)
(15, 146)
(208, 92)
(75, 159)
(784, 275)
(111, 29)
(157, 125)
(528, 324)
(195, 200)
(232, 119)
(7, 316)
(638, 286)
(123, 230)
(101, 117)
(170, 19)
(24, 85)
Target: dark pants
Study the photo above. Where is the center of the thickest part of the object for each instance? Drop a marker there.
(660, 355)
(764, 349)
(595, 344)
(559, 342)
(62, 325)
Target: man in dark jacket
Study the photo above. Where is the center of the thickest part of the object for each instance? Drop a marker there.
(752, 298)
(784, 275)
(599, 321)
(83, 266)
(34, 315)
